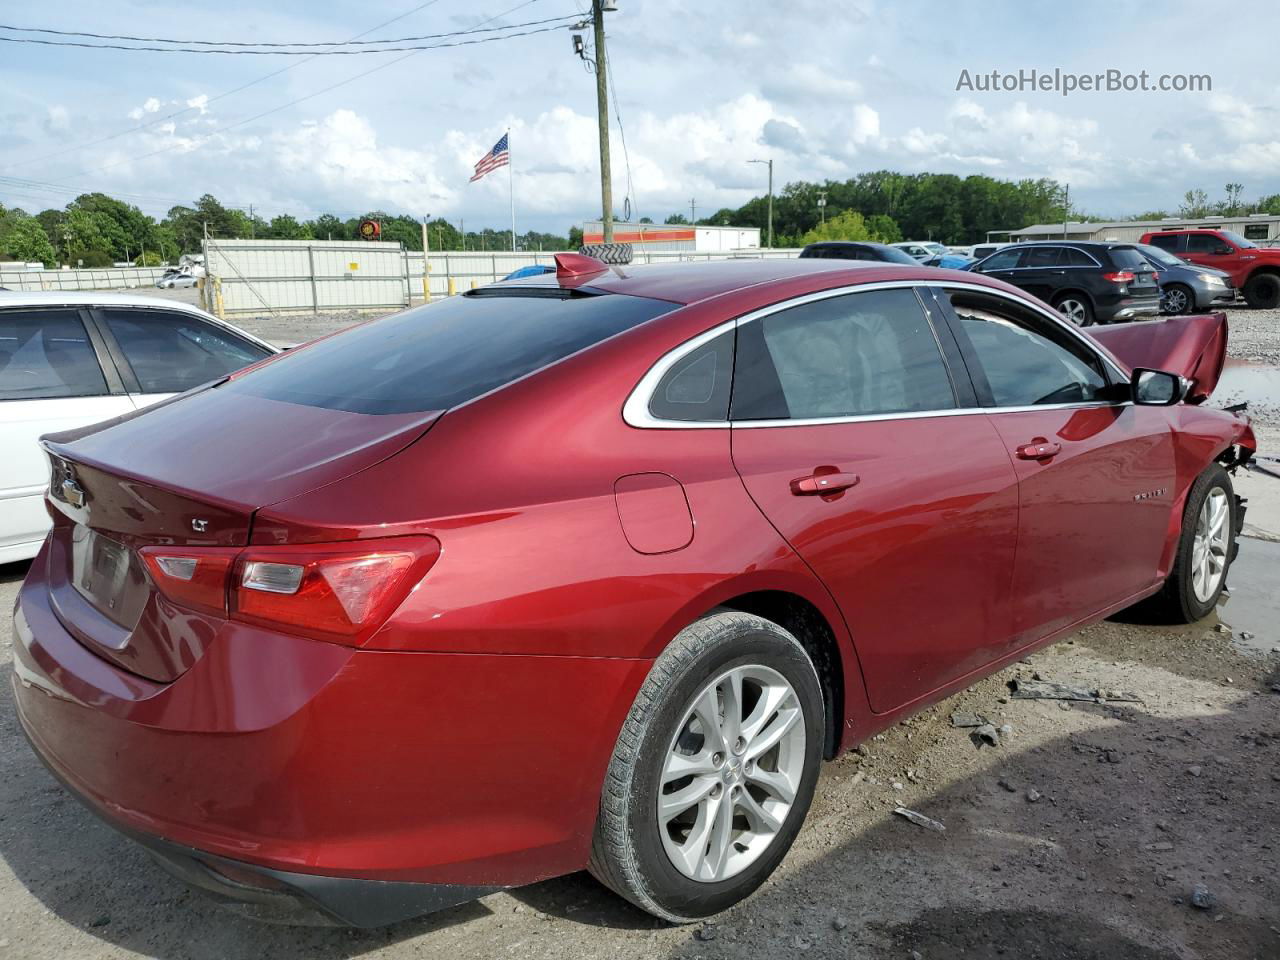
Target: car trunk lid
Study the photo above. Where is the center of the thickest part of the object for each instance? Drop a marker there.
(188, 474)
(1194, 347)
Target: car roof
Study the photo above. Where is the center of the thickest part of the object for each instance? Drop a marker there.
(690, 282)
(91, 298)
(1082, 244)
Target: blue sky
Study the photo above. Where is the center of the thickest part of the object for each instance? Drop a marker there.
(825, 89)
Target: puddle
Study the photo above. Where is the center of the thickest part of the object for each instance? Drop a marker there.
(1241, 380)
(1254, 606)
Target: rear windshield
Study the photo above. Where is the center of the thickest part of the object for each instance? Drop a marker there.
(438, 356)
(1129, 257)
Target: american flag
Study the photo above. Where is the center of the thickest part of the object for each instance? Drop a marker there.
(499, 156)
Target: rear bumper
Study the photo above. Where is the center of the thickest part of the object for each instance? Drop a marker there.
(1129, 308)
(338, 775)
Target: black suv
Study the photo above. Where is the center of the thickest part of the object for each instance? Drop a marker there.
(1087, 282)
(856, 250)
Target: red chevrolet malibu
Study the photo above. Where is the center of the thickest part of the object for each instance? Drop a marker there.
(594, 569)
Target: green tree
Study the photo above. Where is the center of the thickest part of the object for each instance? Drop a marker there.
(575, 238)
(328, 227)
(1195, 204)
(124, 227)
(89, 237)
(676, 218)
(847, 225)
(149, 259)
(883, 228)
(285, 227)
(27, 241)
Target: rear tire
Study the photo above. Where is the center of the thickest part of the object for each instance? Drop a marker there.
(1262, 291)
(1205, 550)
(668, 864)
(1178, 299)
(1076, 308)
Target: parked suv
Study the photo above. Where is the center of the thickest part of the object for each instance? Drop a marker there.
(1187, 287)
(1254, 270)
(1087, 282)
(855, 250)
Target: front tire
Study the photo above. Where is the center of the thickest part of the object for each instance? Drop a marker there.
(713, 771)
(1262, 291)
(1206, 547)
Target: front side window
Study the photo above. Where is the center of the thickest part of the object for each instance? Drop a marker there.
(1026, 360)
(173, 352)
(1004, 260)
(860, 354)
(46, 354)
(1204, 243)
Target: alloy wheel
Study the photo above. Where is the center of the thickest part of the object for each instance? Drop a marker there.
(1075, 311)
(1175, 300)
(1209, 548)
(731, 773)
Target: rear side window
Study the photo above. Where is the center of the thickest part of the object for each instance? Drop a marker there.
(1165, 241)
(438, 356)
(696, 388)
(45, 354)
(855, 355)
(1043, 257)
(1073, 257)
(173, 352)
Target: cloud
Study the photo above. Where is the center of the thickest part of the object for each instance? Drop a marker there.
(58, 120)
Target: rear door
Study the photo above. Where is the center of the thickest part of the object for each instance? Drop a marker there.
(163, 352)
(1096, 473)
(1043, 271)
(55, 374)
(857, 439)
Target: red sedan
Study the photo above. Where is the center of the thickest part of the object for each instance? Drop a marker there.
(594, 569)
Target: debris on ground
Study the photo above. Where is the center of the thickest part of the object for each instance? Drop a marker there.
(1202, 898)
(965, 719)
(1048, 690)
(706, 933)
(1033, 795)
(919, 819)
(986, 734)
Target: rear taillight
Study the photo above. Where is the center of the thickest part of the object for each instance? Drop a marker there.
(195, 578)
(1120, 276)
(334, 591)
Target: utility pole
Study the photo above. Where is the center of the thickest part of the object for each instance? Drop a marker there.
(602, 118)
(769, 163)
(253, 228)
(1066, 209)
(426, 264)
(693, 210)
(822, 205)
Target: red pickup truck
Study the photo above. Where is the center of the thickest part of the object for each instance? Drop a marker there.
(1254, 270)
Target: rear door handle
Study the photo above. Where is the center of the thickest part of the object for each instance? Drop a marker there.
(1039, 449)
(821, 484)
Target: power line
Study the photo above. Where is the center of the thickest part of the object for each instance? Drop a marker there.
(282, 53)
(284, 106)
(220, 96)
(292, 43)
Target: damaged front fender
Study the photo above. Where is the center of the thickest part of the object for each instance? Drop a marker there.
(1192, 347)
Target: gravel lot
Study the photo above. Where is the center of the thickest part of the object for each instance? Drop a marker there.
(1083, 835)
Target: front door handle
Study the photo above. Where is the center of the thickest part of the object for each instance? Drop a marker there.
(821, 484)
(1039, 449)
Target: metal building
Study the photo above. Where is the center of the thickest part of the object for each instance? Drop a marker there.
(1262, 229)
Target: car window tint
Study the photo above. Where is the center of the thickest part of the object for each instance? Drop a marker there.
(437, 356)
(855, 355)
(1128, 258)
(1202, 243)
(47, 353)
(1073, 257)
(696, 388)
(1165, 241)
(1043, 257)
(1026, 360)
(172, 352)
(1004, 260)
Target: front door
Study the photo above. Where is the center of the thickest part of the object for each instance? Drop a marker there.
(1096, 473)
(849, 435)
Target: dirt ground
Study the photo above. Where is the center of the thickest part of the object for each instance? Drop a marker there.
(1082, 836)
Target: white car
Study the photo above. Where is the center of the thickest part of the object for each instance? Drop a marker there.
(920, 249)
(72, 359)
(176, 281)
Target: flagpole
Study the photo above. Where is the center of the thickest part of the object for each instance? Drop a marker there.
(511, 188)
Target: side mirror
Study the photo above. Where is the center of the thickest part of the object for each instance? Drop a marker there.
(1157, 388)
(1223, 250)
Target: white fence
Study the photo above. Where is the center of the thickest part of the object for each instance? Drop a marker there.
(295, 276)
(106, 278)
(314, 276)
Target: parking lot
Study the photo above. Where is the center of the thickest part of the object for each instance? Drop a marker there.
(1087, 832)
